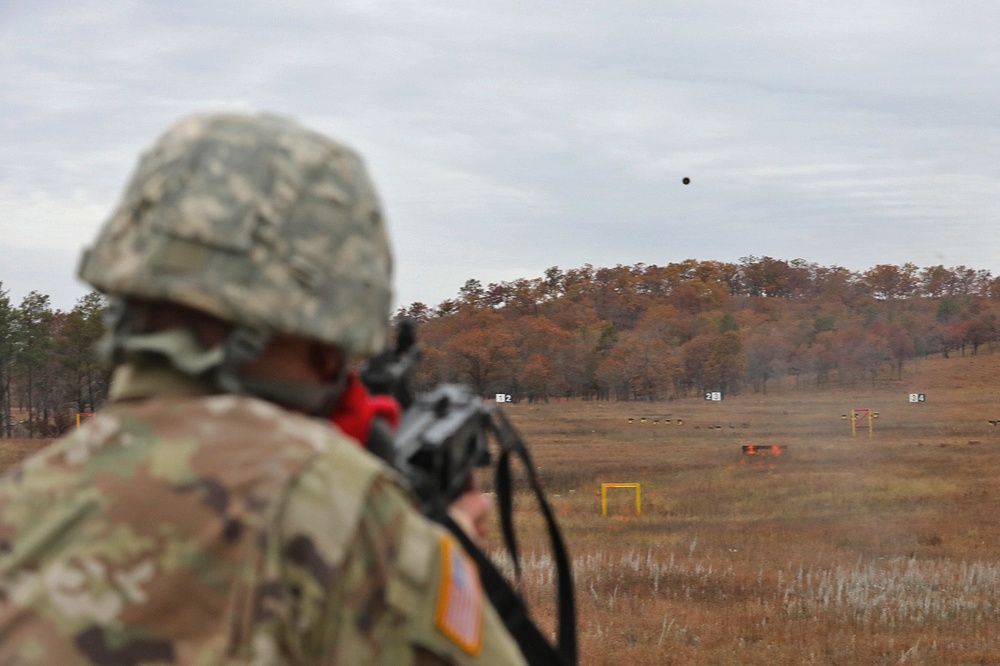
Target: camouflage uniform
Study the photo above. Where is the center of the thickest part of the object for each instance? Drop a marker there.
(176, 530)
(192, 522)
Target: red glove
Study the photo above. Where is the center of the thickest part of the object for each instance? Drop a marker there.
(357, 409)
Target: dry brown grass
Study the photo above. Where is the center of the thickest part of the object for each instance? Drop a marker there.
(13, 450)
(867, 550)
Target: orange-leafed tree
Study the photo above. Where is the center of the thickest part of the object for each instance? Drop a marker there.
(538, 378)
(766, 354)
(482, 351)
(695, 355)
(889, 282)
(982, 330)
(897, 341)
(725, 365)
(540, 337)
(640, 366)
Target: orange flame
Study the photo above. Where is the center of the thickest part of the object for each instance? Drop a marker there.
(754, 450)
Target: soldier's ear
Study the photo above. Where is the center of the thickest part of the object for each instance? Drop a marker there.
(326, 360)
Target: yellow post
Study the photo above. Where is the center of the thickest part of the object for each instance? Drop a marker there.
(604, 496)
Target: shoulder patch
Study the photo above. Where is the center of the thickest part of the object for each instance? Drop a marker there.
(460, 600)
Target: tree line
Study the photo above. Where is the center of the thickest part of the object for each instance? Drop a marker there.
(648, 332)
(48, 370)
(639, 332)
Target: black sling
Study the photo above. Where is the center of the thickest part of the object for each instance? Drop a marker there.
(535, 647)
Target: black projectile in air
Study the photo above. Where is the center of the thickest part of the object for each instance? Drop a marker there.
(686, 180)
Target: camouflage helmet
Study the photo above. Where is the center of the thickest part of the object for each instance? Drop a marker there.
(257, 221)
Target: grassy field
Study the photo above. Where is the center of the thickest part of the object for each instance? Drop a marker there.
(874, 549)
(880, 549)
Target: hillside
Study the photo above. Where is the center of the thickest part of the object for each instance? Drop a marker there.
(649, 332)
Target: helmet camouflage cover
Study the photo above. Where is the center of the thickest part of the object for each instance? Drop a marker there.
(257, 221)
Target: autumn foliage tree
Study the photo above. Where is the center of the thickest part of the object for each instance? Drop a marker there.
(648, 332)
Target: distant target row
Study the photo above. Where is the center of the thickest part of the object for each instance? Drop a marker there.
(855, 417)
(644, 419)
(992, 422)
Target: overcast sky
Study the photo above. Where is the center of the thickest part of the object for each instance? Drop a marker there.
(508, 137)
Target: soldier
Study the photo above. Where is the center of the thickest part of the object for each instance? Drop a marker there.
(206, 516)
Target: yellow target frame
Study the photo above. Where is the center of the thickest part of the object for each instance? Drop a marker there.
(604, 496)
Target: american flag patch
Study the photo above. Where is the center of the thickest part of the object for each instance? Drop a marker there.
(460, 600)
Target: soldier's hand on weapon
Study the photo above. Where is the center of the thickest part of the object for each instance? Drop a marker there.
(473, 511)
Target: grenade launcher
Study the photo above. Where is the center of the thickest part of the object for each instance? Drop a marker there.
(443, 436)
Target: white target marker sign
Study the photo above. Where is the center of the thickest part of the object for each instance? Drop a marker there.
(918, 397)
